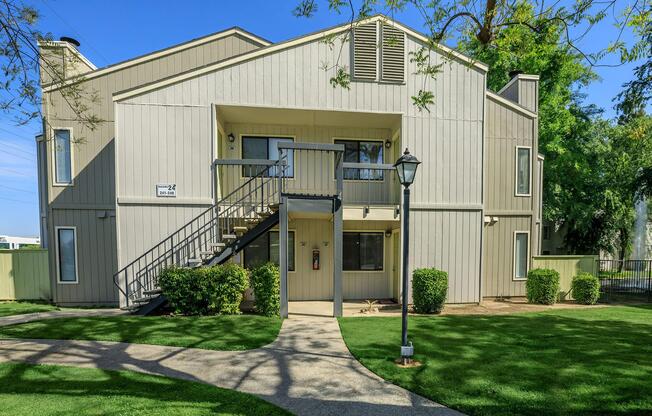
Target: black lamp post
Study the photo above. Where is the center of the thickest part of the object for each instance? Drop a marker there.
(406, 167)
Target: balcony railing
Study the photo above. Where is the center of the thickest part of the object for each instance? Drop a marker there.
(312, 172)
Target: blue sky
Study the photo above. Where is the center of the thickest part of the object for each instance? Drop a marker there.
(112, 31)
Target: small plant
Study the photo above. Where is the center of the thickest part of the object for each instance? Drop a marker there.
(204, 290)
(266, 282)
(542, 286)
(429, 288)
(585, 288)
(369, 306)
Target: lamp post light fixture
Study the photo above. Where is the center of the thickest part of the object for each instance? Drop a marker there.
(406, 168)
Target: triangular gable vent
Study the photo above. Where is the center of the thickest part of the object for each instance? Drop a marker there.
(392, 54)
(365, 52)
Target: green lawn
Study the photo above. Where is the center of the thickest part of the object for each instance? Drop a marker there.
(17, 308)
(34, 390)
(238, 332)
(594, 361)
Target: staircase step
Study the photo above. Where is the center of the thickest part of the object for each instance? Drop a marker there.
(195, 262)
(274, 207)
(143, 299)
(229, 237)
(240, 229)
(217, 245)
(152, 292)
(252, 220)
(206, 253)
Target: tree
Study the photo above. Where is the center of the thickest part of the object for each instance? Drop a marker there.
(638, 92)
(485, 20)
(22, 64)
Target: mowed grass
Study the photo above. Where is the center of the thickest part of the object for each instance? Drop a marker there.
(34, 390)
(232, 333)
(21, 307)
(594, 361)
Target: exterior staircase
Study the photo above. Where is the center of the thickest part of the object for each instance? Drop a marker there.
(211, 238)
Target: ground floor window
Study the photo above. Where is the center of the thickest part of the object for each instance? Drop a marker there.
(521, 254)
(363, 251)
(266, 248)
(67, 254)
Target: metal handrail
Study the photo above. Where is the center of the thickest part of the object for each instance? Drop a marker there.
(191, 236)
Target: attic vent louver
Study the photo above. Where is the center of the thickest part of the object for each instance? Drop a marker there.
(392, 54)
(365, 50)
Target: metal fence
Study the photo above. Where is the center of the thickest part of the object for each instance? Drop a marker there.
(625, 280)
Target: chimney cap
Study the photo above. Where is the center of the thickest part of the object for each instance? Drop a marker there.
(514, 72)
(70, 40)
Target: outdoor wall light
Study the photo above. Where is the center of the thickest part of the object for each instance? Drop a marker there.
(231, 138)
(388, 233)
(325, 243)
(388, 143)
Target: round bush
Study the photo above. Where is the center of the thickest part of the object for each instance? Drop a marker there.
(586, 289)
(429, 287)
(542, 286)
(266, 282)
(204, 290)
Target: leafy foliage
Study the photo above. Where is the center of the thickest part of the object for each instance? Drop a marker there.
(542, 286)
(429, 288)
(205, 290)
(266, 282)
(586, 288)
(27, 54)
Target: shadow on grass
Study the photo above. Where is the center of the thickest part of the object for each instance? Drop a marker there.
(235, 333)
(559, 362)
(26, 389)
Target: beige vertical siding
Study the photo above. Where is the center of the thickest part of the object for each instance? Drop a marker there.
(448, 139)
(96, 257)
(498, 260)
(24, 275)
(94, 158)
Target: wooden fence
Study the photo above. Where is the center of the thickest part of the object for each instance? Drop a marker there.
(567, 267)
(24, 274)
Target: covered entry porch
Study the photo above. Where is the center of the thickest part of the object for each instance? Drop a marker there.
(338, 195)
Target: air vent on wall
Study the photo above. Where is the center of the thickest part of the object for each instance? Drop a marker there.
(365, 50)
(392, 54)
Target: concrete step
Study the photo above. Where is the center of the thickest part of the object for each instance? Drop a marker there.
(195, 262)
(156, 291)
(240, 229)
(206, 253)
(143, 299)
(217, 245)
(229, 237)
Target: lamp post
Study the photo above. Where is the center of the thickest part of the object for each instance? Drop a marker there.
(406, 168)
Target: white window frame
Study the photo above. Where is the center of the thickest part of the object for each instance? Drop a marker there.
(54, 158)
(529, 185)
(527, 257)
(56, 234)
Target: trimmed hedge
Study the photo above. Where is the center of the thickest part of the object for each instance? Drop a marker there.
(205, 290)
(266, 282)
(429, 287)
(585, 289)
(542, 286)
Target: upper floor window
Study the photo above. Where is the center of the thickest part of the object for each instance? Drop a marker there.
(359, 151)
(523, 169)
(263, 147)
(62, 158)
(376, 40)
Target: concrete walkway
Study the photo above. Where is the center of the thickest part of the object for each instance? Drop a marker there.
(307, 370)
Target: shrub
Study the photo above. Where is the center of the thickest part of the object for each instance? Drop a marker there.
(429, 287)
(586, 288)
(266, 282)
(542, 286)
(204, 290)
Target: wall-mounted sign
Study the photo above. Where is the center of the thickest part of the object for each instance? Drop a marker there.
(166, 190)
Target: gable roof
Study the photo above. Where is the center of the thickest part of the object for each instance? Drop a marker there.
(511, 104)
(122, 95)
(97, 72)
